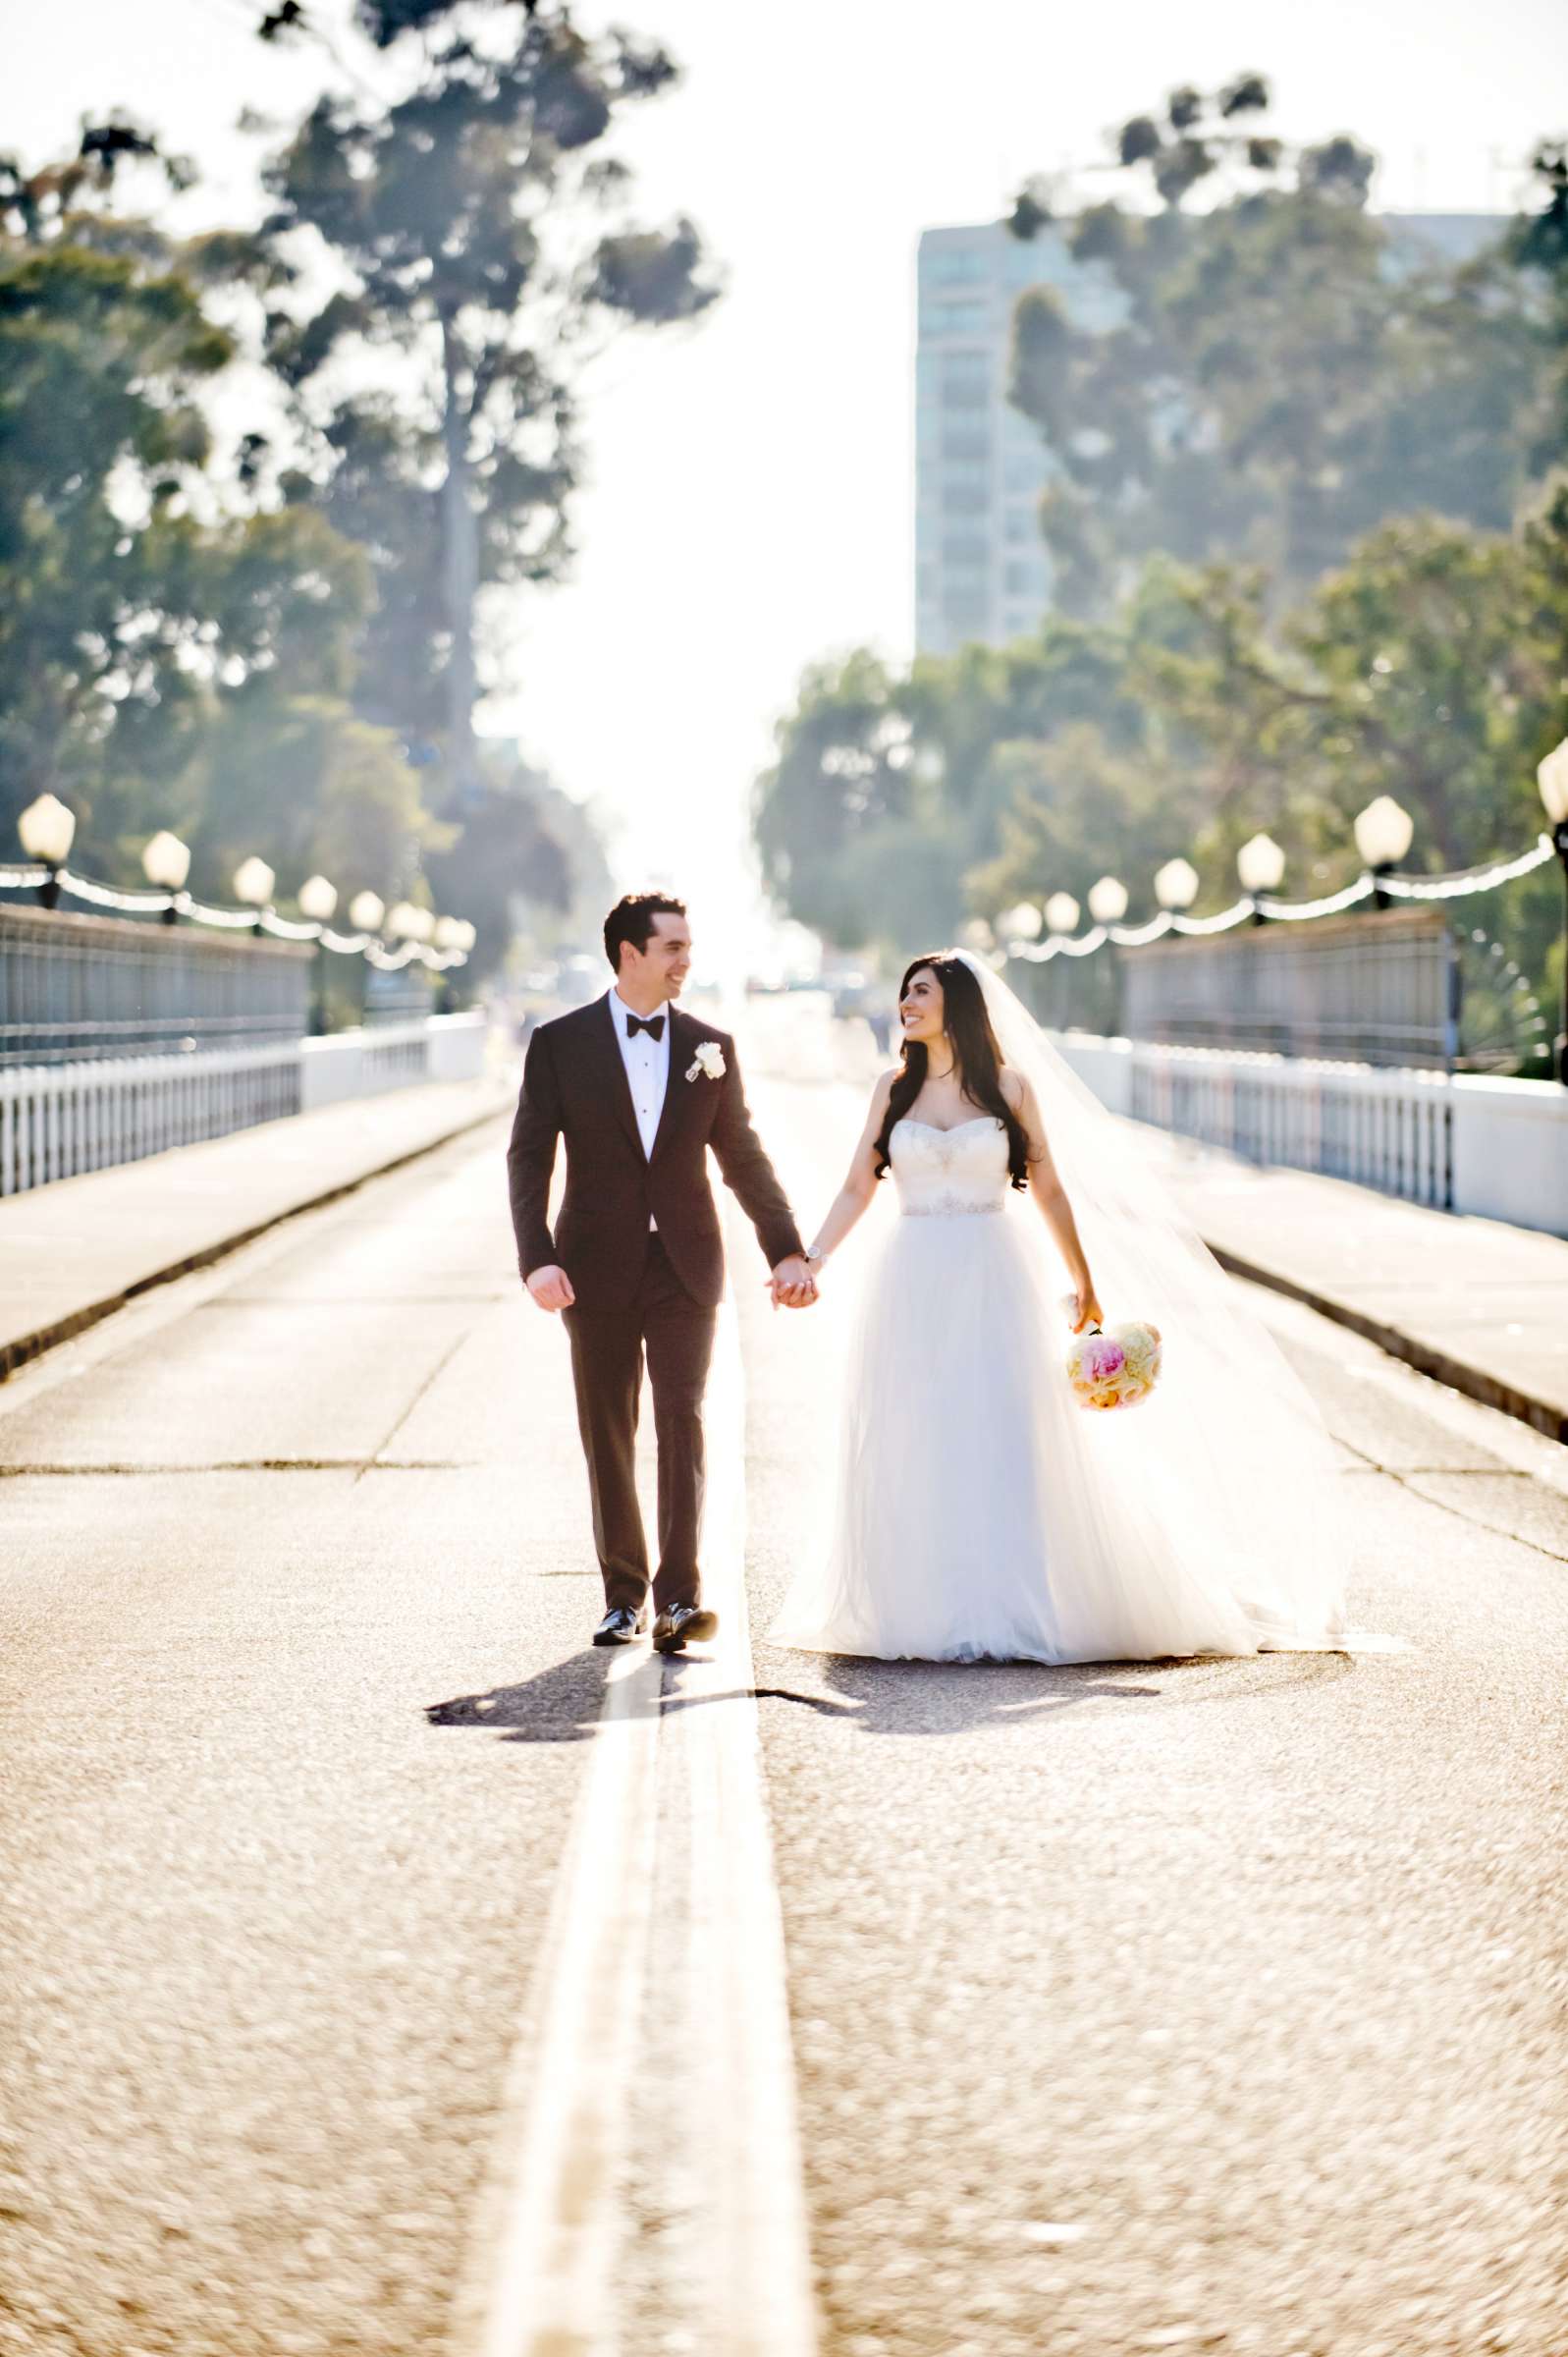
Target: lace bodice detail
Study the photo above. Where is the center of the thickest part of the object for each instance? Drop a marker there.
(961, 1170)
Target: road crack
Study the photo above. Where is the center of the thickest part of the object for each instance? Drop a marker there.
(251, 1464)
(1408, 1480)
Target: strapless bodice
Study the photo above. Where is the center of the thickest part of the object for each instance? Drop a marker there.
(963, 1170)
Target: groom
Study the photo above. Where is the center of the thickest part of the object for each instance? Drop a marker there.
(639, 1093)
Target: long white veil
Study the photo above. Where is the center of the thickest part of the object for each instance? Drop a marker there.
(1230, 1448)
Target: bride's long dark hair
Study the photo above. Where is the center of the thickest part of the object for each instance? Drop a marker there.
(975, 1052)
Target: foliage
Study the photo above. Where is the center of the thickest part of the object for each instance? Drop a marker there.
(124, 620)
(1430, 665)
(1267, 380)
(253, 644)
(474, 237)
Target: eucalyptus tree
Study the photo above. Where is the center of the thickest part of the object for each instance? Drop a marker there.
(1268, 379)
(174, 648)
(474, 247)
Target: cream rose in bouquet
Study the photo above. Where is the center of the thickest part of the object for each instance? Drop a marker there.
(1115, 1369)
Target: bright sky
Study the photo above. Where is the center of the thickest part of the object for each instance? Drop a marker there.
(749, 507)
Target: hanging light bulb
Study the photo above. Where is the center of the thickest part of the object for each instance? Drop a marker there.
(1177, 883)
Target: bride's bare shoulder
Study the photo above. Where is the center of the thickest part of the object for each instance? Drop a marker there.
(1014, 1087)
(883, 1088)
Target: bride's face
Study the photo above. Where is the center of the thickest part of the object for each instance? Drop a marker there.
(920, 1009)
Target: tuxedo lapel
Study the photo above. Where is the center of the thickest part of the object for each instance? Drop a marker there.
(682, 1033)
(612, 1066)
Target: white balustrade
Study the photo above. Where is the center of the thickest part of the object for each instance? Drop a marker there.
(1461, 1141)
(59, 1121)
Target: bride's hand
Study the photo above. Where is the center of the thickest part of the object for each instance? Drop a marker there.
(1086, 1309)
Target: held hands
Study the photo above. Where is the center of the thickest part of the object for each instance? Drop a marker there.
(793, 1283)
(551, 1288)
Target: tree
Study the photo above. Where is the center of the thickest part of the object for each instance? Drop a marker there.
(125, 619)
(511, 838)
(176, 648)
(476, 236)
(1428, 666)
(1265, 381)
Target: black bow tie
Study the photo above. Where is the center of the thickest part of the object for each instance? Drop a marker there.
(653, 1024)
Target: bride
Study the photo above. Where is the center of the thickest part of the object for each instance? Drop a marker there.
(980, 1512)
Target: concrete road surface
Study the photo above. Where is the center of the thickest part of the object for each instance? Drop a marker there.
(383, 1970)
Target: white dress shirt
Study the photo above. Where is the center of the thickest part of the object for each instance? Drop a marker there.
(647, 1063)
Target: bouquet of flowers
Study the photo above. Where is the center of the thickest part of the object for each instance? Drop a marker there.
(1117, 1369)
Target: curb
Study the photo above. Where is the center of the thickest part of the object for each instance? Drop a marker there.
(21, 1350)
(1544, 1415)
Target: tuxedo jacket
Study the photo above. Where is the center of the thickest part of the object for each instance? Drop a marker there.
(574, 1088)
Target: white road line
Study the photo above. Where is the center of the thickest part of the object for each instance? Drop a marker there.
(758, 2298)
(551, 2259)
(546, 2246)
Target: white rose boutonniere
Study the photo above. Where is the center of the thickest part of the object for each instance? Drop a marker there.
(709, 1061)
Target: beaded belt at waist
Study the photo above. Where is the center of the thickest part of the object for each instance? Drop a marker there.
(948, 1207)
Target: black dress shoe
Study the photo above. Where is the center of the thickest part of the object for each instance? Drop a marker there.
(620, 1625)
(682, 1623)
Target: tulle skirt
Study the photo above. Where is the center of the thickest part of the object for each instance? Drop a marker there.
(981, 1513)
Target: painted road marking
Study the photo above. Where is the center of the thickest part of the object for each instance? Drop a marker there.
(554, 2264)
(546, 2244)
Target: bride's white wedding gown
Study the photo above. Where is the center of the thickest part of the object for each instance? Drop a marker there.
(980, 1512)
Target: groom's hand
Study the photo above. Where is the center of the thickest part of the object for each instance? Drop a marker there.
(793, 1283)
(552, 1289)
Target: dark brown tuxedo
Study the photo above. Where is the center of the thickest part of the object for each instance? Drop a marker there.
(637, 1291)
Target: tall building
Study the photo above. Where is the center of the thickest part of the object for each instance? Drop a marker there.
(981, 568)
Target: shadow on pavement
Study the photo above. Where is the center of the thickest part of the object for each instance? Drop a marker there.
(911, 1698)
(563, 1704)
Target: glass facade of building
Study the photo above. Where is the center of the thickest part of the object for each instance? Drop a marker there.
(981, 568)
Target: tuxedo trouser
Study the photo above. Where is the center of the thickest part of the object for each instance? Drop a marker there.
(608, 1347)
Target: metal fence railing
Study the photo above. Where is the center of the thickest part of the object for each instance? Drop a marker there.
(1472, 1142)
(1365, 1125)
(59, 1121)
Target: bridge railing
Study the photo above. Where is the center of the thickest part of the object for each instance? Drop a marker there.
(58, 1121)
(1464, 1141)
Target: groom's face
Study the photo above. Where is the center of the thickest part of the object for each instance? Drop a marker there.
(662, 967)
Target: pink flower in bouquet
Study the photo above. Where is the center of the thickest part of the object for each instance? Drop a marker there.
(1101, 1359)
(1117, 1369)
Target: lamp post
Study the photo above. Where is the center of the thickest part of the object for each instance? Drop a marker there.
(1552, 779)
(1020, 923)
(413, 927)
(47, 830)
(1176, 885)
(447, 940)
(1260, 866)
(253, 885)
(367, 913)
(166, 862)
(318, 900)
(1062, 917)
(1383, 837)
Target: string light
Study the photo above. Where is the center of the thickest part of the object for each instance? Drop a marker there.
(1462, 884)
(233, 920)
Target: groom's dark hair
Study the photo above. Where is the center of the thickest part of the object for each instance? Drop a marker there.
(631, 919)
